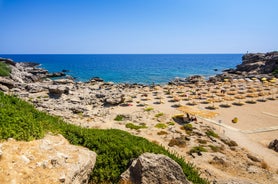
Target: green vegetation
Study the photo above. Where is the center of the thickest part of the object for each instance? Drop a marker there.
(197, 149)
(171, 123)
(119, 118)
(215, 148)
(159, 114)
(5, 70)
(148, 109)
(202, 141)
(180, 142)
(275, 72)
(115, 148)
(188, 128)
(135, 127)
(211, 133)
(161, 125)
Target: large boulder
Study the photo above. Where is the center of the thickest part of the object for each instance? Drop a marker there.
(7, 82)
(58, 90)
(48, 160)
(114, 99)
(152, 168)
(273, 145)
(4, 88)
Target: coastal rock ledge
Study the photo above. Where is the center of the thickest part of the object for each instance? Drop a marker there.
(48, 160)
(152, 168)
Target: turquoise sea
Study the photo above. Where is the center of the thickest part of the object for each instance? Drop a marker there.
(133, 68)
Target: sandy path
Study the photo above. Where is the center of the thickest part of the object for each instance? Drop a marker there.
(253, 131)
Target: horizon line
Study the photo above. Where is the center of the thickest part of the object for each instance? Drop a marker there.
(116, 53)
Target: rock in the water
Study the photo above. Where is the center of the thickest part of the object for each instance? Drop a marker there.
(273, 145)
(48, 160)
(152, 168)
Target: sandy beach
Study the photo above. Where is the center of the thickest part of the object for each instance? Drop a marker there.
(149, 106)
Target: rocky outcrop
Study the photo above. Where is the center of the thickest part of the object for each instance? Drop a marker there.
(254, 65)
(152, 168)
(48, 160)
(8, 61)
(259, 63)
(273, 145)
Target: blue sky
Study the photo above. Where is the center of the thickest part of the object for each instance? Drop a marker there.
(138, 26)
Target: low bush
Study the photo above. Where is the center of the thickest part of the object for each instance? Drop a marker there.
(159, 114)
(202, 141)
(211, 133)
(5, 70)
(147, 109)
(180, 142)
(115, 148)
(161, 125)
(197, 149)
(215, 148)
(135, 127)
(171, 123)
(119, 118)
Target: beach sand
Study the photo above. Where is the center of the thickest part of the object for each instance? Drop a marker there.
(257, 123)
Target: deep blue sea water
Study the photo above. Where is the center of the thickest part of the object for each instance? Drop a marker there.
(133, 68)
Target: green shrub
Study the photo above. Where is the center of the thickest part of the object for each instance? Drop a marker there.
(159, 114)
(161, 125)
(202, 141)
(119, 118)
(211, 133)
(148, 109)
(275, 72)
(215, 148)
(115, 148)
(135, 127)
(197, 149)
(180, 142)
(171, 123)
(188, 127)
(5, 70)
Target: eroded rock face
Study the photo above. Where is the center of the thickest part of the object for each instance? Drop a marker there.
(259, 63)
(48, 160)
(274, 145)
(152, 168)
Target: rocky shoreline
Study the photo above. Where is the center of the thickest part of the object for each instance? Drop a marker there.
(96, 103)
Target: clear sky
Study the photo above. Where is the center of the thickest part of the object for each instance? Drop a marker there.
(138, 26)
